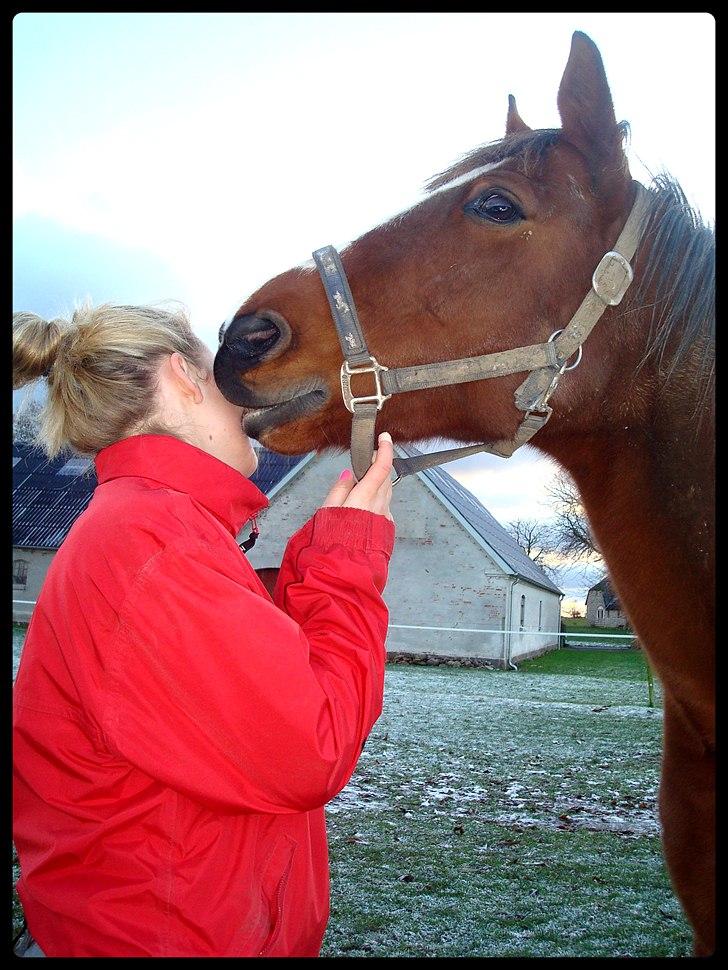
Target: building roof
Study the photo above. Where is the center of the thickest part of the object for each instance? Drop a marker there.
(497, 542)
(274, 468)
(50, 493)
(611, 602)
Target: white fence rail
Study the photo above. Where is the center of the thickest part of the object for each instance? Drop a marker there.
(566, 634)
(572, 634)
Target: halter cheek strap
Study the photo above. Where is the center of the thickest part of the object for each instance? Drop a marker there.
(546, 361)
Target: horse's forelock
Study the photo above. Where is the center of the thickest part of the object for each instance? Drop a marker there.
(528, 147)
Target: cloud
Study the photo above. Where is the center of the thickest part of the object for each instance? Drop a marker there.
(55, 266)
(510, 488)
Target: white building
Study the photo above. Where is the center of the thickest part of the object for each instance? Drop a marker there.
(459, 586)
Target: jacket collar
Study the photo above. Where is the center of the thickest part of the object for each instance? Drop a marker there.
(230, 496)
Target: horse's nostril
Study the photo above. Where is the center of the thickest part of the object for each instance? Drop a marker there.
(261, 335)
(251, 336)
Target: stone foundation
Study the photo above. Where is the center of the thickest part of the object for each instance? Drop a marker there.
(438, 660)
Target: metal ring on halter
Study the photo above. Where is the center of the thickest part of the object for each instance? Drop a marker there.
(579, 353)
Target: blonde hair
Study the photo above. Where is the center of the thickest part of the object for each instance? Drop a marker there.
(102, 370)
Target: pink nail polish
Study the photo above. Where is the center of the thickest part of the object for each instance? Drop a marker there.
(345, 474)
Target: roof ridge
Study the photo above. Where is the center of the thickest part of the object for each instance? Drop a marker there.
(513, 554)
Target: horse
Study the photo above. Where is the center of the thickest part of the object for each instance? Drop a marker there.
(500, 253)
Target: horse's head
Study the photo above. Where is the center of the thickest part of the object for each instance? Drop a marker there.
(499, 254)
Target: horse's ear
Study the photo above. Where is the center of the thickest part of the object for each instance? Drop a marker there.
(514, 122)
(587, 112)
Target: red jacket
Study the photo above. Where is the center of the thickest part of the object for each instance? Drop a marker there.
(176, 734)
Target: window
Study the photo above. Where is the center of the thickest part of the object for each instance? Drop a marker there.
(600, 612)
(523, 610)
(540, 612)
(20, 573)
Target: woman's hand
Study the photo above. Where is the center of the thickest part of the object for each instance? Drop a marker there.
(374, 492)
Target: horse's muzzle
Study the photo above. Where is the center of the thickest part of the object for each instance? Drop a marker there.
(245, 342)
(253, 337)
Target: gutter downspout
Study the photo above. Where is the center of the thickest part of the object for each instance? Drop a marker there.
(507, 632)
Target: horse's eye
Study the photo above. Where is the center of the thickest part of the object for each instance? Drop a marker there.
(495, 207)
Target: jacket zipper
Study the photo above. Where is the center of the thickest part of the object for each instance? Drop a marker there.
(279, 909)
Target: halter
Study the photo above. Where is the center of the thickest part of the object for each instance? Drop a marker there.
(546, 361)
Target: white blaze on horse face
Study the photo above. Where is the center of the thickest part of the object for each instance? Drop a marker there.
(463, 179)
(468, 177)
(310, 266)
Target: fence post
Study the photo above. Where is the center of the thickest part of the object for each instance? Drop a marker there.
(650, 678)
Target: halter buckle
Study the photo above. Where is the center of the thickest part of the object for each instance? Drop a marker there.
(612, 278)
(347, 372)
(579, 352)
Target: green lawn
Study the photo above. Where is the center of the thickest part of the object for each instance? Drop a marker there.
(630, 665)
(580, 631)
(506, 813)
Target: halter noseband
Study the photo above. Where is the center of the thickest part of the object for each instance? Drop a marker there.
(546, 361)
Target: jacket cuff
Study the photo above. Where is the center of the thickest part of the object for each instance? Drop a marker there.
(353, 529)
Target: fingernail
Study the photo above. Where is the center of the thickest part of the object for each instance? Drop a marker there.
(345, 474)
(385, 435)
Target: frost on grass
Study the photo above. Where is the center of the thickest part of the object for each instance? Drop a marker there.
(504, 814)
(518, 760)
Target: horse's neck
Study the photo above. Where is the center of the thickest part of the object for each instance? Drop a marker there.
(648, 495)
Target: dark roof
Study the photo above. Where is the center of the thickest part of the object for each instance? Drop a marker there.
(273, 468)
(50, 493)
(611, 602)
(482, 522)
(47, 500)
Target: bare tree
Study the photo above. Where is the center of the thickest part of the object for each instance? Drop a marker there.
(536, 539)
(572, 534)
(26, 421)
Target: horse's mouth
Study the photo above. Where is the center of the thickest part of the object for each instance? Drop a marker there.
(263, 419)
(264, 410)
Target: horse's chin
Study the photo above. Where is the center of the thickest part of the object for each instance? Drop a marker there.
(265, 422)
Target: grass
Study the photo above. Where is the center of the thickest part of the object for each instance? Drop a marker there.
(19, 631)
(506, 814)
(622, 665)
(580, 631)
(503, 813)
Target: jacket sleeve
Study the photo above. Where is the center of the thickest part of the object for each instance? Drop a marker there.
(237, 702)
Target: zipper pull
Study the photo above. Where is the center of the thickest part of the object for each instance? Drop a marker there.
(254, 533)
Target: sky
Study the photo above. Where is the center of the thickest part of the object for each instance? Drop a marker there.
(193, 156)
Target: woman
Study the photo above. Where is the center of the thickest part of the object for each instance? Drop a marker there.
(177, 732)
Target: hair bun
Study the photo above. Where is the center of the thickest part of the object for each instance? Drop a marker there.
(35, 346)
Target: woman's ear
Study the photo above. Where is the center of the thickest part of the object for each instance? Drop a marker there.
(186, 377)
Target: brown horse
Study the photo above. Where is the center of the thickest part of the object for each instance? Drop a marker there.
(499, 255)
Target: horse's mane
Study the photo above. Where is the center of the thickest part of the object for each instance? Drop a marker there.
(680, 270)
(680, 267)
